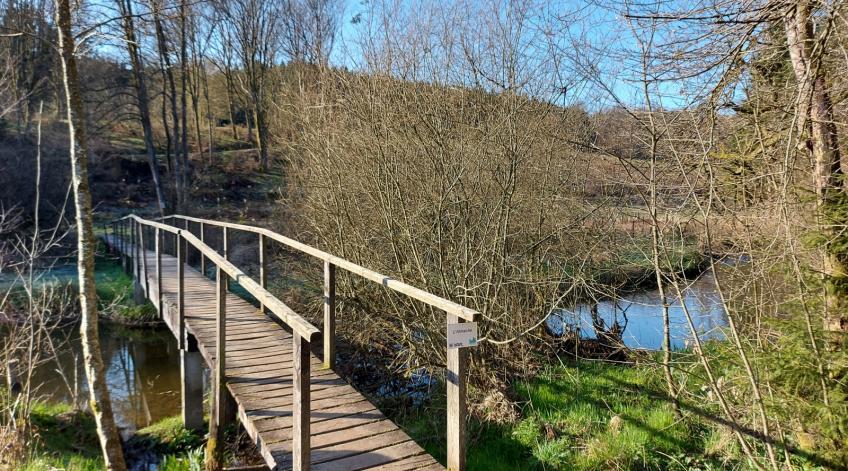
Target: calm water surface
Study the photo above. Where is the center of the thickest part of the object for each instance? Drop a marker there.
(143, 373)
(642, 313)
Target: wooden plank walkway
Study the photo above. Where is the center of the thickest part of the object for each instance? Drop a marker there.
(347, 431)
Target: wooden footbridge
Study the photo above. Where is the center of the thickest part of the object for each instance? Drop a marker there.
(300, 414)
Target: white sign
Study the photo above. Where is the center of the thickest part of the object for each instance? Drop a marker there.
(462, 335)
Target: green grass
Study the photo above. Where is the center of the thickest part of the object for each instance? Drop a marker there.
(114, 290)
(168, 436)
(588, 415)
(65, 439)
(111, 280)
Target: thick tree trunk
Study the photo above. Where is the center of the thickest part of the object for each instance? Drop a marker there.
(99, 400)
(819, 138)
(143, 100)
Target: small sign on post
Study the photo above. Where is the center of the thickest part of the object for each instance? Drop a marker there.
(462, 335)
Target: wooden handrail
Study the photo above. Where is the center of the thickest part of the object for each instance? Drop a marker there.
(446, 305)
(457, 359)
(273, 305)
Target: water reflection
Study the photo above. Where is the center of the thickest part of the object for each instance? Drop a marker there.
(640, 315)
(142, 371)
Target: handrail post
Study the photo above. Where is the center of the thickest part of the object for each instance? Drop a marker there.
(184, 241)
(202, 257)
(215, 444)
(191, 363)
(300, 405)
(224, 244)
(457, 412)
(157, 245)
(181, 330)
(329, 315)
(144, 259)
(263, 267)
(137, 247)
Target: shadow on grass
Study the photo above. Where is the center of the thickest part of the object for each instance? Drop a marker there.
(715, 419)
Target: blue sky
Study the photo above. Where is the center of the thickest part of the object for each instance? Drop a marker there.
(593, 39)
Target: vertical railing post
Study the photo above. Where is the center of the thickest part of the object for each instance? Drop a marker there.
(157, 245)
(215, 443)
(300, 404)
(263, 266)
(137, 247)
(191, 362)
(143, 255)
(224, 243)
(202, 257)
(181, 330)
(329, 315)
(184, 241)
(457, 412)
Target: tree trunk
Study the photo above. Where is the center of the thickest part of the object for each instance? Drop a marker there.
(230, 106)
(99, 400)
(143, 100)
(169, 74)
(819, 138)
(261, 135)
(183, 106)
(209, 117)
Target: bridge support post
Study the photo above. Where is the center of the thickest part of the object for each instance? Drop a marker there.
(457, 411)
(191, 362)
(191, 370)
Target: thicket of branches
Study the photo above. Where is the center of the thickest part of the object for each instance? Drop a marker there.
(518, 159)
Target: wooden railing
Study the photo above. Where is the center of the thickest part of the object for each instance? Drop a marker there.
(455, 313)
(303, 333)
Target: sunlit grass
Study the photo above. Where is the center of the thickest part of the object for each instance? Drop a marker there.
(587, 415)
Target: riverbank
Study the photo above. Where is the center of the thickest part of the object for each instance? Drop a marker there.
(65, 438)
(585, 415)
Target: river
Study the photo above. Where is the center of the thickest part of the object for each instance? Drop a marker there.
(642, 312)
(142, 371)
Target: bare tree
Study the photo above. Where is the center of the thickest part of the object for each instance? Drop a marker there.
(819, 138)
(100, 402)
(309, 29)
(142, 98)
(253, 28)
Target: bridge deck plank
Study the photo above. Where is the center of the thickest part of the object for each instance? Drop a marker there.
(347, 431)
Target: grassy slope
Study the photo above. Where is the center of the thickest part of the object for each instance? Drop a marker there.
(67, 439)
(587, 415)
(64, 439)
